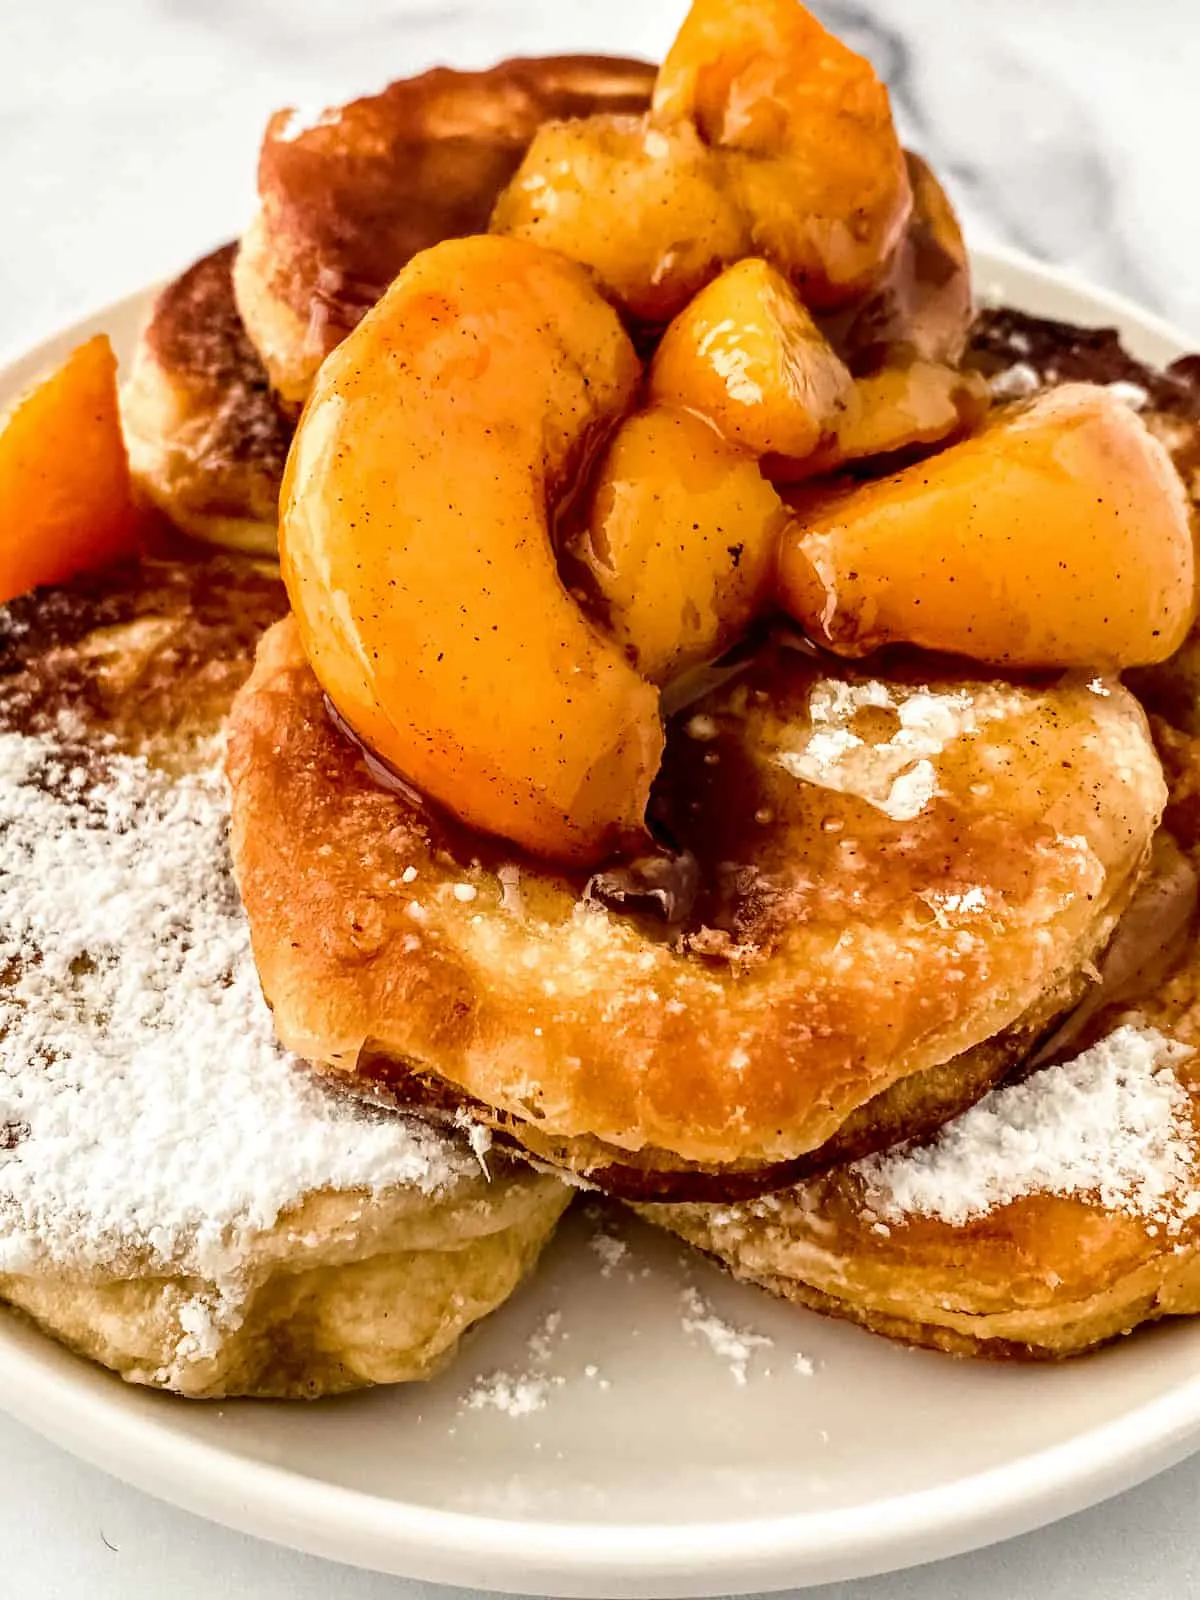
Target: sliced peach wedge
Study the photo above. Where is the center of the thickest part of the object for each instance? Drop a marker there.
(1057, 537)
(767, 136)
(66, 499)
(746, 354)
(415, 541)
(680, 542)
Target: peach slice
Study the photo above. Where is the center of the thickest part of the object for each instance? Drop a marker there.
(767, 137)
(1059, 536)
(901, 408)
(895, 409)
(747, 355)
(641, 207)
(681, 541)
(66, 500)
(804, 131)
(440, 439)
(922, 309)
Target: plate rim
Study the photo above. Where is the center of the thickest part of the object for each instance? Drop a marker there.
(81, 1411)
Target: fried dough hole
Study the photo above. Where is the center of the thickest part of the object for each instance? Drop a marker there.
(767, 136)
(1059, 536)
(415, 538)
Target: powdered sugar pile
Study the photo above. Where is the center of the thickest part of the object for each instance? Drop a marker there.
(737, 1346)
(1112, 1124)
(517, 1394)
(146, 1111)
(896, 775)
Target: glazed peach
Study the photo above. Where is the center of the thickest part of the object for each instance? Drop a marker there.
(897, 408)
(767, 137)
(642, 207)
(681, 541)
(804, 131)
(922, 309)
(747, 355)
(1059, 536)
(439, 441)
(66, 500)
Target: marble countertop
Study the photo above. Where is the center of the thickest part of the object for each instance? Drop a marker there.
(128, 131)
(128, 128)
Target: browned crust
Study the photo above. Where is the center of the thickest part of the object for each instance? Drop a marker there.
(348, 199)
(748, 1037)
(208, 441)
(110, 649)
(913, 1108)
(1038, 1277)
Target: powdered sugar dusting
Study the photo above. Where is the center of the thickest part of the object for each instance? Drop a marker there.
(1112, 1124)
(737, 1346)
(610, 1250)
(146, 1108)
(896, 775)
(517, 1394)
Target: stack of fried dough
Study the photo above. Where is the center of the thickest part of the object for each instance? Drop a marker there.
(733, 743)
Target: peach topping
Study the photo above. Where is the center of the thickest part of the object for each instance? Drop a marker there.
(501, 538)
(767, 136)
(66, 501)
(1059, 536)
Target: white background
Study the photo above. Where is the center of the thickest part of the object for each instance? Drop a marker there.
(127, 140)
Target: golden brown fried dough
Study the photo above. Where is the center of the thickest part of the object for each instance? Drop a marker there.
(881, 878)
(178, 1200)
(1054, 1215)
(207, 440)
(346, 199)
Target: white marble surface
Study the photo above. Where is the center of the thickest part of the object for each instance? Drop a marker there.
(127, 138)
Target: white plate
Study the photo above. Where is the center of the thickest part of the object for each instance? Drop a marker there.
(650, 1470)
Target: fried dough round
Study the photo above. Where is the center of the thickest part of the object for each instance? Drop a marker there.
(347, 199)
(914, 1107)
(1063, 1211)
(1053, 1216)
(882, 877)
(207, 440)
(178, 1199)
